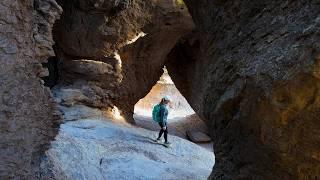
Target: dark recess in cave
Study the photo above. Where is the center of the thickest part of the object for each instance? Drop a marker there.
(53, 78)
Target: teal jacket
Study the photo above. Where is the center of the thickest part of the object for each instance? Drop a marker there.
(164, 114)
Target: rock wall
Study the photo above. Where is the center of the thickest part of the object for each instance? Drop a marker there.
(95, 29)
(28, 121)
(251, 70)
(114, 51)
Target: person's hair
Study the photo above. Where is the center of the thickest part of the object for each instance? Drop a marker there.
(162, 101)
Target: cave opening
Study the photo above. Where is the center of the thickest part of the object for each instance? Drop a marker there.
(182, 119)
(100, 72)
(250, 69)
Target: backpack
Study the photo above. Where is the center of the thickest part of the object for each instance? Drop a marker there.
(156, 113)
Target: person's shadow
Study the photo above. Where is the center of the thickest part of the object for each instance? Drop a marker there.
(147, 139)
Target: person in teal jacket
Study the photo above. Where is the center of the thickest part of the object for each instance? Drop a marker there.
(163, 119)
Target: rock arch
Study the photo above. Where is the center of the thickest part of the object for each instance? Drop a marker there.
(250, 69)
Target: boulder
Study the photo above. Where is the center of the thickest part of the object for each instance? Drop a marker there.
(198, 136)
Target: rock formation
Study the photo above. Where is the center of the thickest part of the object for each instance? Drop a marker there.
(198, 136)
(92, 147)
(104, 53)
(28, 120)
(250, 69)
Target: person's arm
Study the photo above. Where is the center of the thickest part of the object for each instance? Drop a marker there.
(162, 117)
(162, 112)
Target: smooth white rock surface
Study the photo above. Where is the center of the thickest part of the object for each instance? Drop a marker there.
(100, 149)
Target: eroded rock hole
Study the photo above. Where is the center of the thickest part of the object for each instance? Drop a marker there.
(182, 119)
(107, 65)
(250, 69)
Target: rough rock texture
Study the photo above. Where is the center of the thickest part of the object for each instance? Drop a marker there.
(197, 136)
(114, 51)
(28, 121)
(95, 149)
(95, 29)
(252, 72)
(92, 147)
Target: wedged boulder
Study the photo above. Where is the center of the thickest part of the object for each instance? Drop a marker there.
(198, 136)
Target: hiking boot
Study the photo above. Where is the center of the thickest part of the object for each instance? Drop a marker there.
(158, 140)
(167, 144)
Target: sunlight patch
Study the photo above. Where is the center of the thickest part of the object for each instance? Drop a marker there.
(117, 57)
(141, 34)
(116, 113)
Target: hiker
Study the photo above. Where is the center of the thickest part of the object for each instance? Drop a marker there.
(161, 118)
